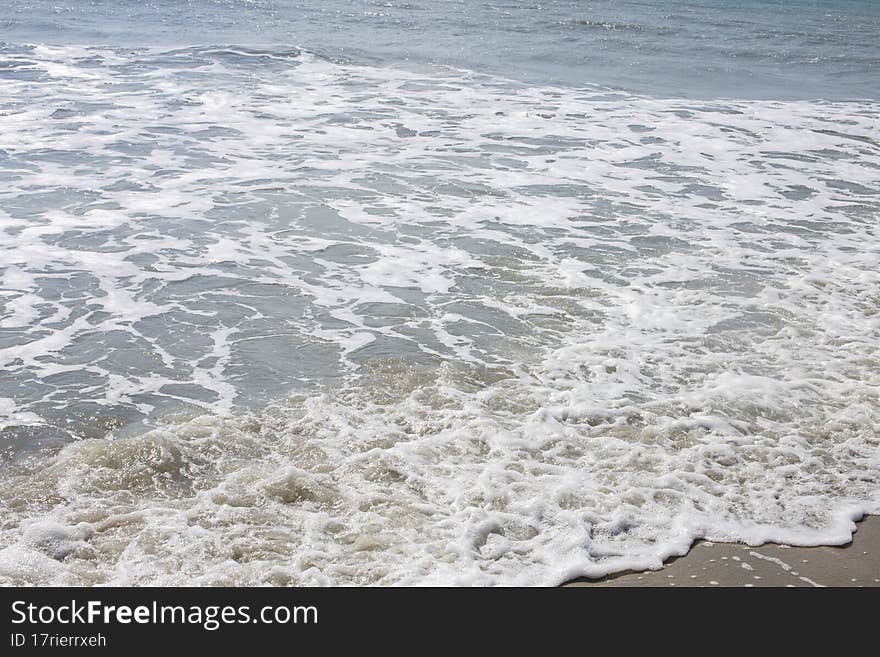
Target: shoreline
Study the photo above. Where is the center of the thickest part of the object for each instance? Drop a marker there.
(708, 564)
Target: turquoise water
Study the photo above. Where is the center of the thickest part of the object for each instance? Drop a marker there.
(453, 292)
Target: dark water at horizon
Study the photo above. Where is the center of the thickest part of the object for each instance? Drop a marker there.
(782, 49)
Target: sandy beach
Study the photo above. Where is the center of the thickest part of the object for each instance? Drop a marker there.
(734, 565)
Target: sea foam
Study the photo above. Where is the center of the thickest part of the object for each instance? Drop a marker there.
(286, 320)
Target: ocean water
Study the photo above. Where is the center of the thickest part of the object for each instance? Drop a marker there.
(452, 292)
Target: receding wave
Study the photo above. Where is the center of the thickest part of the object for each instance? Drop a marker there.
(275, 319)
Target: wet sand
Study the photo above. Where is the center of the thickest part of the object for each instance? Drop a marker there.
(731, 564)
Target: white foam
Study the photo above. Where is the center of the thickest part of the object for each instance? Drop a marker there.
(559, 333)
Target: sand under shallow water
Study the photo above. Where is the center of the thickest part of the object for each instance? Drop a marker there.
(731, 564)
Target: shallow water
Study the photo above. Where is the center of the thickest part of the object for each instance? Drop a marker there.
(366, 308)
